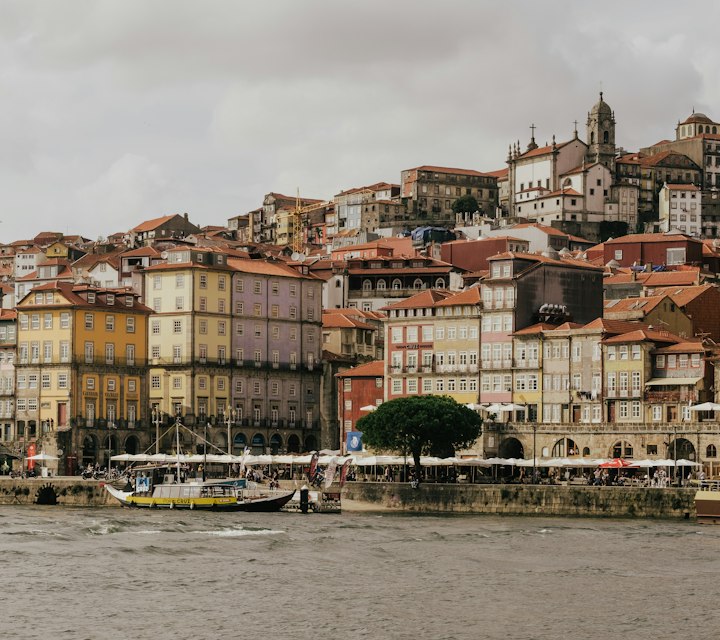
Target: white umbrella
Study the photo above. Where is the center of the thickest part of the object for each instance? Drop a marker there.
(706, 406)
(510, 406)
(42, 457)
(686, 463)
(494, 408)
(368, 407)
(473, 407)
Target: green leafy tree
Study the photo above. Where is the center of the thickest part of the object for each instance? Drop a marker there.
(420, 425)
(465, 204)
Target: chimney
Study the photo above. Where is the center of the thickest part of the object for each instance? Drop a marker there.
(185, 215)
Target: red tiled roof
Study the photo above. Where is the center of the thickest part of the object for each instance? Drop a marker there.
(469, 296)
(149, 225)
(682, 187)
(540, 151)
(683, 347)
(640, 335)
(633, 304)
(374, 369)
(262, 267)
(451, 170)
(650, 237)
(535, 329)
(551, 231)
(424, 299)
(500, 174)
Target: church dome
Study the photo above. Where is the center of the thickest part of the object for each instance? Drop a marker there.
(700, 118)
(601, 107)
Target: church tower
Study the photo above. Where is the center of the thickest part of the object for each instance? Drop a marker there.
(601, 135)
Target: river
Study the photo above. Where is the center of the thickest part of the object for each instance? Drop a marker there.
(119, 574)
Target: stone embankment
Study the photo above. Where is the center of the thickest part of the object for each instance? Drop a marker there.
(616, 502)
(541, 500)
(65, 491)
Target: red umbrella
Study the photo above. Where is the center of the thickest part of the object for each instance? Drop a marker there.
(615, 463)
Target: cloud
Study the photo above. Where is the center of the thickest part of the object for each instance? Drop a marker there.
(114, 112)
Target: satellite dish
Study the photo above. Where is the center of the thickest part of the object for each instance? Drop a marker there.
(295, 257)
(300, 257)
(60, 452)
(164, 255)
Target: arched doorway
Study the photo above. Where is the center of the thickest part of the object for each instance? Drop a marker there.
(258, 444)
(275, 444)
(89, 450)
(132, 445)
(511, 448)
(622, 449)
(239, 444)
(310, 443)
(564, 447)
(681, 449)
(293, 444)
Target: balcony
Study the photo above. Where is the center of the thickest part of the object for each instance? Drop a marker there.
(670, 396)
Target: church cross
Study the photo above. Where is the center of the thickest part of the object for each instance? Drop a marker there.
(532, 129)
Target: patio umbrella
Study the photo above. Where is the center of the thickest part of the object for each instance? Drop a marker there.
(615, 463)
(706, 406)
(511, 406)
(42, 457)
(686, 463)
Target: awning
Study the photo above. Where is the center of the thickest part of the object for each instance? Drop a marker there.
(670, 382)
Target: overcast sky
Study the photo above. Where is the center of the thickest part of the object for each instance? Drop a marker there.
(114, 112)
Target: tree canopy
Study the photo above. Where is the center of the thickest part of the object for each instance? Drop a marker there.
(465, 204)
(420, 425)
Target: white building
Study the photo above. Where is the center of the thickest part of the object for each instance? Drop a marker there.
(680, 208)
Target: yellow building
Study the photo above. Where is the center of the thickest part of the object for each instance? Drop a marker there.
(189, 336)
(80, 372)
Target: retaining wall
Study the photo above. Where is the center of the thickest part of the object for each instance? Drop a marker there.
(61, 491)
(616, 502)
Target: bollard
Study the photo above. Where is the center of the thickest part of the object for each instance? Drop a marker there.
(304, 499)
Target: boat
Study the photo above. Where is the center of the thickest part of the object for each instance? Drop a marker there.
(707, 504)
(214, 496)
(156, 488)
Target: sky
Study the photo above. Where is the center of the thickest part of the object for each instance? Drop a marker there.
(115, 112)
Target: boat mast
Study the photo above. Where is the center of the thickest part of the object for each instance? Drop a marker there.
(177, 444)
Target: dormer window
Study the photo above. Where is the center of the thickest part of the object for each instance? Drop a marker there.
(220, 259)
(91, 296)
(128, 301)
(111, 298)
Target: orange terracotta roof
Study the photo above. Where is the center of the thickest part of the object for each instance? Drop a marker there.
(614, 326)
(535, 329)
(500, 174)
(685, 295)
(534, 257)
(141, 253)
(633, 304)
(683, 347)
(262, 267)
(551, 231)
(341, 321)
(650, 237)
(149, 225)
(641, 335)
(469, 296)
(424, 299)
(682, 187)
(541, 151)
(451, 170)
(374, 369)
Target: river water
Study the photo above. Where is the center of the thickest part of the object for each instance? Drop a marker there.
(112, 573)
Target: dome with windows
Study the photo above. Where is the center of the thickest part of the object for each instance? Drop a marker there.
(699, 118)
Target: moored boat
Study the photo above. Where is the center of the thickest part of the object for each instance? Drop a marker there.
(707, 505)
(214, 496)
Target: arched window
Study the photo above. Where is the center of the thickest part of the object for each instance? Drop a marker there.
(700, 129)
(592, 137)
(606, 137)
(258, 444)
(622, 449)
(565, 447)
(239, 443)
(367, 285)
(293, 444)
(397, 284)
(418, 284)
(714, 129)
(440, 283)
(586, 452)
(381, 285)
(711, 451)
(275, 444)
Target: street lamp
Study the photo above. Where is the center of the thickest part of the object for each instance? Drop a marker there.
(534, 428)
(155, 412)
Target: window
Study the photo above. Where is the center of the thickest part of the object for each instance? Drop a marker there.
(89, 321)
(177, 326)
(130, 354)
(65, 320)
(221, 283)
(130, 324)
(155, 327)
(45, 381)
(179, 281)
(203, 326)
(109, 323)
(179, 303)
(154, 382)
(636, 352)
(109, 353)
(48, 321)
(257, 288)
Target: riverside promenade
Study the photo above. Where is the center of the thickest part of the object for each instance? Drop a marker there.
(506, 499)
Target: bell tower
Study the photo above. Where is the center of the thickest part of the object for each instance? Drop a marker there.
(601, 135)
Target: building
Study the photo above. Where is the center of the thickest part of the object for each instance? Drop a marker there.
(428, 192)
(357, 389)
(374, 283)
(368, 208)
(655, 249)
(8, 347)
(81, 372)
(472, 255)
(659, 311)
(353, 333)
(170, 227)
(680, 208)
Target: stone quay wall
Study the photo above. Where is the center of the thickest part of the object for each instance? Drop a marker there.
(71, 492)
(541, 500)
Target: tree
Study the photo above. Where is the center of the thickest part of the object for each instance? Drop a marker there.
(465, 204)
(435, 425)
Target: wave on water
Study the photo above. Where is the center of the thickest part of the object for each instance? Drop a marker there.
(230, 532)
